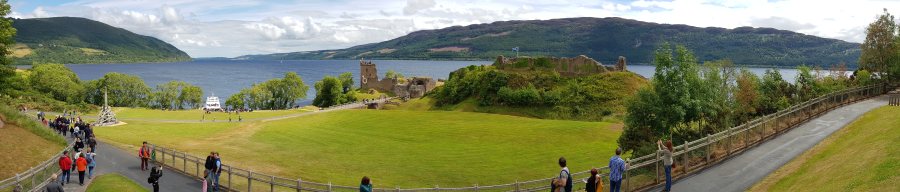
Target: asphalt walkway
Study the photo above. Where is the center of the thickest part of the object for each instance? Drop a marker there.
(744, 170)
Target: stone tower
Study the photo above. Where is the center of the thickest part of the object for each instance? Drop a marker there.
(368, 74)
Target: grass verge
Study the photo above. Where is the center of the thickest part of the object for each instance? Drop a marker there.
(113, 182)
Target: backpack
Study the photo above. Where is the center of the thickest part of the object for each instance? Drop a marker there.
(568, 187)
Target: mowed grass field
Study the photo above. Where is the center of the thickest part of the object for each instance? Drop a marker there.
(196, 114)
(114, 183)
(394, 147)
(864, 156)
(23, 150)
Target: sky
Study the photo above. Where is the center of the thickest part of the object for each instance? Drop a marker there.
(230, 28)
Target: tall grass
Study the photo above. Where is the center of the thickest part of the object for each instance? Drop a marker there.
(10, 115)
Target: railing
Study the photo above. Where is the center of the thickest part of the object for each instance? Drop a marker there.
(36, 177)
(646, 172)
(692, 156)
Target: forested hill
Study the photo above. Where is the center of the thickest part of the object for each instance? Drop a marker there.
(79, 40)
(603, 39)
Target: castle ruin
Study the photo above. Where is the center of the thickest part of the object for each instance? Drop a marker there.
(414, 87)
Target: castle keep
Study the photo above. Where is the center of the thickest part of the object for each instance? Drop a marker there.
(414, 87)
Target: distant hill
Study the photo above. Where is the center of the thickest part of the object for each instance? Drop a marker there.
(79, 40)
(603, 39)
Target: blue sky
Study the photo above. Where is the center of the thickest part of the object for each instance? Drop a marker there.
(209, 28)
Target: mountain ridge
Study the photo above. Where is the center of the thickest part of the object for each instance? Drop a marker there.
(75, 40)
(603, 39)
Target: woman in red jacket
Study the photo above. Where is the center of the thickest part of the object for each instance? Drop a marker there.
(82, 166)
(65, 164)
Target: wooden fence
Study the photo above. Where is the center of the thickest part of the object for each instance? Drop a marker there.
(643, 173)
(36, 177)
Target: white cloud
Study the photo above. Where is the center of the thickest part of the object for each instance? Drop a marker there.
(413, 6)
(205, 28)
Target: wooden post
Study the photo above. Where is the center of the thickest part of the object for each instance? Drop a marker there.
(184, 157)
(517, 185)
(687, 156)
(708, 148)
(249, 180)
(197, 164)
(329, 186)
(728, 142)
(299, 185)
(229, 177)
(476, 187)
(272, 184)
(656, 162)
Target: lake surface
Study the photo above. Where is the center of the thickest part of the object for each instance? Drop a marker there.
(224, 78)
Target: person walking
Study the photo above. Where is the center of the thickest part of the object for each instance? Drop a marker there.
(666, 151)
(92, 162)
(365, 185)
(144, 154)
(563, 183)
(594, 183)
(155, 174)
(65, 164)
(92, 143)
(617, 166)
(81, 163)
(78, 144)
(53, 185)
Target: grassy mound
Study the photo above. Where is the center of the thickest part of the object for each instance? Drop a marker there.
(864, 156)
(114, 183)
(394, 147)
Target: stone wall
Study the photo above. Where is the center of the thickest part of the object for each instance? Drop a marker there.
(413, 87)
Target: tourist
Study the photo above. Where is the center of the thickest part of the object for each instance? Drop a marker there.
(92, 162)
(81, 163)
(144, 154)
(65, 164)
(365, 185)
(666, 152)
(78, 144)
(54, 186)
(563, 181)
(92, 143)
(217, 172)
(617, 167)
(77, 132)
(594, 183)
(210, 163)
(155, 174)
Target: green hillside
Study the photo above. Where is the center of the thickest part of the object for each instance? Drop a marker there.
(603, 39)
(80, 40)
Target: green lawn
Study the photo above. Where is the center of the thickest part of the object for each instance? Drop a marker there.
(114, 183)
(864, 156)
(196, 114)
(394, 147)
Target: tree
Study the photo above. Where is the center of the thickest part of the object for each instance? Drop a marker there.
(347, 81)
(123, 90)
(191, 96)
(58, 81)
(329, 92)
(642, 123)
(806, 84)
(746, 95)
(391, 74)
(863, 77)
(672, 82)
(881, 48)
(7, 32)
(166, 95)
(237, 101)
(278, 93)
(774, 92)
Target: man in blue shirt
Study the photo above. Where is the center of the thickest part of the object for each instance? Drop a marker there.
(617, 166)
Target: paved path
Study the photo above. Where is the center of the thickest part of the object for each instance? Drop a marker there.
(111, 159)
(743, 171)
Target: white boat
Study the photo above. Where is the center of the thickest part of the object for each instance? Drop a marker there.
(212, 103)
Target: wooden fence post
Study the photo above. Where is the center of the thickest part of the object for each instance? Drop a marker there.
(249, 180)
(329, 186)
(728, 142)
(299, 185)
(272, 184)
(656, 175)
(708, 148)
(229, 177)
(517, 185)
(687, 157)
